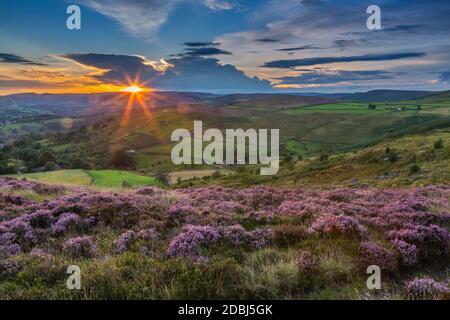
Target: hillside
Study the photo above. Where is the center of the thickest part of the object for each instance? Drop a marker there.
(412, 160)
(386, 95)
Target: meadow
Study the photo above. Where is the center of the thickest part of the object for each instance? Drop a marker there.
(96, 178)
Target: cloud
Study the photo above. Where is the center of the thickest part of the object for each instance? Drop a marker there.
(306, 47)
(319, 77)
(208, 74)
(286, 64)
(201, 44)
(207, 51)
(12, 58)
(267, 40)
(118, 69)
(188, 73)
(143, 18)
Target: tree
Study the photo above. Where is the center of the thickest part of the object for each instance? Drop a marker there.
(122, 160)
(78, 163)
(372, 106)
(50, 166)
(46, 157)
(162, 177)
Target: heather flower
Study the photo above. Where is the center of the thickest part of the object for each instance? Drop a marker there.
(336, 225)
(433, 242)
(259, 238)
(10, 250)
(8, 268)
(306, 262)
(425, 288)
(125, 241)
(236, 235)
(177, 212)
(188, 242)
(80, 247)
(373, 254)
(148, 234)
(41, 253)
(407, 252)
(66, 222)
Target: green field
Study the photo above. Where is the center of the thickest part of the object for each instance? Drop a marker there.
(69, 177)
(98, 178)
(114, 178)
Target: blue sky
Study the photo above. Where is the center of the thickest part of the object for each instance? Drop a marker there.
(224, 45)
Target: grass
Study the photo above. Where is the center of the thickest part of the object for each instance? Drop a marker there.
(97, 178)
(114, 178)
(69, 177)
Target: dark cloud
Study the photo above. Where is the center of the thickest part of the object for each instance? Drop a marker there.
(318, 77)
(188, 73)
(307, 47)
(12, 58)
(325, 60)
(207, 74)
(202, 44)
(120, 68)
(409, 28)
(401, 28)
(267, 40)
(24, 84)
(206, 51)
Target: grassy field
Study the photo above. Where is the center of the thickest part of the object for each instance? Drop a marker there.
(97, 178)
(64, 177)
(114, 178)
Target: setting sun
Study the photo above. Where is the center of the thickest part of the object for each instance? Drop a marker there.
(133, 89)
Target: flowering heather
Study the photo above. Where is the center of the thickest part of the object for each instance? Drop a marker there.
(306, 262)
(80, 247)
(188, 242)
(425, 288)
(221, 227)
(10, 250)
(8, 268)
(66, 222)
(125, 241)
(41, 253)
(179, 211)
(433, 242)
(406, 251)
(374, 254)
(24, 184)
(336, 225)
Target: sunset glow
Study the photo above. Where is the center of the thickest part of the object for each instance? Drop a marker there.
(133, 89)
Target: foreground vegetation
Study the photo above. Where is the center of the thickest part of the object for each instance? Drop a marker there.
(257, 243)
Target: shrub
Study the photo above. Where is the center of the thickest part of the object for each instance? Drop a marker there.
(80, 247)
(406, 251)
(125, 240)
(288, 234)
(188, 242)
(373, 254)
(50, 166)
(336, 226)
(424, 288)
(307, 262)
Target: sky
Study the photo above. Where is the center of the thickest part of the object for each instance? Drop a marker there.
(224, 46)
